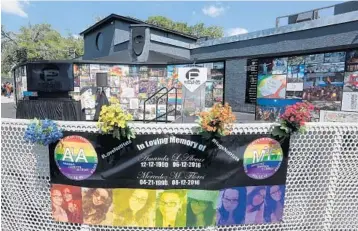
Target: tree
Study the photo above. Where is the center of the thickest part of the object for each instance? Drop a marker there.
(40, 41)
(198, 30)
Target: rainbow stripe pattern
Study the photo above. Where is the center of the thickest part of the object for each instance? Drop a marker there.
(76, 157)
(262, 158)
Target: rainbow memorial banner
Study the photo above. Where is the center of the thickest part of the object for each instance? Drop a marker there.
(167, 180)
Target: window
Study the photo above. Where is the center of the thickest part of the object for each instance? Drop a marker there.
(99, 41)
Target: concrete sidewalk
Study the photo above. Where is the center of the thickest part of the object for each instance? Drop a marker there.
(8, 107)
(7, 100)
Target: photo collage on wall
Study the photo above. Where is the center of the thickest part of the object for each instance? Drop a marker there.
(132, 85)
(350, 89)
(272, 85)
(20, 82)
(154, 208)
(318, 78)
(216, 81)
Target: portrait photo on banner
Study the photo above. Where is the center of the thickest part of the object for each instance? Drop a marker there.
(264, 204)
(66, 203)
(201, 208)
(97, 206)
(134, 207)
(171, 208)
(231, 206)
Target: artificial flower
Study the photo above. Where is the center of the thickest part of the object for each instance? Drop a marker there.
(43, 132)
(113, 119)
(293, 119)
(218, 121)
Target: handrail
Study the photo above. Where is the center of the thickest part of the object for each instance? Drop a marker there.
(166, 104)
(155, 119)
(163, 88)
(166, 109)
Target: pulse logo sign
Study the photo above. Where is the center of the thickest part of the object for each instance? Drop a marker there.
(192, 78)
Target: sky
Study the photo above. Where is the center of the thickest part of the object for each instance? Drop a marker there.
(74, 17)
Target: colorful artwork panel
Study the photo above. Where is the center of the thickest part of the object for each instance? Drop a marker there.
(271, 86)
(271, 109)
(351, 82)
(279, 66)
(323, 87)
(296, 60)
(265, 66)
(335, 57)
(324, 67)
(316, 58)
(352, 61)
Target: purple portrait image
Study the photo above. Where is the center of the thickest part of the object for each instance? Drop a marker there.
(231, 206)
(274, 203)
(255, 204)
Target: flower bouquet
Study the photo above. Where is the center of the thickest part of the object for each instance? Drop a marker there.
(216, 122)
(293, 119)
(114, 120)
(43, 132)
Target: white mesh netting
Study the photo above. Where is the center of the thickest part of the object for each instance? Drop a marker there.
(321, 189)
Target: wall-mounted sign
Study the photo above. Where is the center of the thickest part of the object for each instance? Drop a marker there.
(338, 116)
(251, 80)
(192, 77)
(138, 40)
(165, 180)
(350, 101)
(29, 93)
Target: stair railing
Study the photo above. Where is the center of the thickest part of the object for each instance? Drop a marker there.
(167, 104)
(152, 96)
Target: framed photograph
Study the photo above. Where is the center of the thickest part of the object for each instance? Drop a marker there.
(265, 66)
(296, 60)
(352, 61)
(350, 101)
(335, 57)
(271, 109)
(316, 58)
(279, 66)
(323, 87)
(271, 86)
(351, 82)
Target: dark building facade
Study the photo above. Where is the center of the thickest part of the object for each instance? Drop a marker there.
(127, 40)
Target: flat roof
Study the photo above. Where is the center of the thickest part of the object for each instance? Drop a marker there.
(322, 22)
